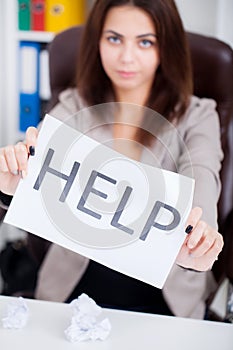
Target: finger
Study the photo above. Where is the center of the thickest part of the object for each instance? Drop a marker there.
(21, 154)
(196, 235)
(206, 262)
(31, 139)
(206, 243)
(3, 163)
(219, 243)
(217, 246)
(10, 158)
(194, 216)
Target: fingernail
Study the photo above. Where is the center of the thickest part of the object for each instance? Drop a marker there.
(32, 150)
(15, 172)
(189, 229)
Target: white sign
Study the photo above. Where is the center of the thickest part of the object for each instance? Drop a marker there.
(92, 200)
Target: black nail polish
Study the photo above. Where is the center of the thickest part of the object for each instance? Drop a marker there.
(32, 150)
(188, 228)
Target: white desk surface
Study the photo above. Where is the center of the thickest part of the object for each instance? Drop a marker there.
(130, 330)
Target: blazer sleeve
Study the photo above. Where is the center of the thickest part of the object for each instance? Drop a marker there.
(202, 138)
(5, 200)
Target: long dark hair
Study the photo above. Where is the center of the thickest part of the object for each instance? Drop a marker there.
(172, 85)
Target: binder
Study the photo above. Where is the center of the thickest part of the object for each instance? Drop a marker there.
(44, 82)
(38, 15)
(24, 15)
(61, 14)
(29, 114)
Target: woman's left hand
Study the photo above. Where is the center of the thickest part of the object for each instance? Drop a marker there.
(201, 246)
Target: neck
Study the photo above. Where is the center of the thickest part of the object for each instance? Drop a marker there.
(128, 119)
(138, 97)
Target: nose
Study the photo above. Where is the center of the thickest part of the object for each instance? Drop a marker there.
(127, 53)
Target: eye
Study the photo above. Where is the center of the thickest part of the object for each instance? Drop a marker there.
(114, 39)
(145, 43)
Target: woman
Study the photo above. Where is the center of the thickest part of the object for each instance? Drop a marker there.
(136, 52)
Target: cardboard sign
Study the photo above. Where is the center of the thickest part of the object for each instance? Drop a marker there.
(92, 200)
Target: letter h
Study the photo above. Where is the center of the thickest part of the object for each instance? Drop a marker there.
(46, 169)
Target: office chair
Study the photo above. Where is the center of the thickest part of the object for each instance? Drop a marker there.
(212, 62)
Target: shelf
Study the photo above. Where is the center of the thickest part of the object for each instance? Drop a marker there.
(42, 37)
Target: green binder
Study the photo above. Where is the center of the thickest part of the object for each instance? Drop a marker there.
(24, 14)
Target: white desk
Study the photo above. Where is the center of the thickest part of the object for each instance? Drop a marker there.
(130, 330)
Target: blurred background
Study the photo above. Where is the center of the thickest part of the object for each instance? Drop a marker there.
(22, 24)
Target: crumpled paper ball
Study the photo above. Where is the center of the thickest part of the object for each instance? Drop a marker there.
(17, 314)
(84, 324)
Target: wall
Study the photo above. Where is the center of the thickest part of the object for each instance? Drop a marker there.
(209, 17)
(225, 21)
(1, 80)
(198, 15)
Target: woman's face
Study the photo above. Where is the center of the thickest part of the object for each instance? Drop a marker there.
(129, 50)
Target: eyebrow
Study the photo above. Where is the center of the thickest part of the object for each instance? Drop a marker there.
(138, 36)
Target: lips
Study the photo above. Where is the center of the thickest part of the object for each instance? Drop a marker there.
(126, 74)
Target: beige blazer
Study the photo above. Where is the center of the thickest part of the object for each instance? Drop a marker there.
(185, 291)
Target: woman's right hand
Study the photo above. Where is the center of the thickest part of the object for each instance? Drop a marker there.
(14, 162)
